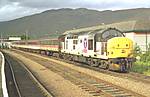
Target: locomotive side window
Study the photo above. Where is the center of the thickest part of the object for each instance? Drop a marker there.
(74, 47)
(75, 41)
(80, 41)
(90, 44)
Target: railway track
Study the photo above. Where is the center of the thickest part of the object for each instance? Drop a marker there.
(131, 75)
(21, 82)
(94, 86)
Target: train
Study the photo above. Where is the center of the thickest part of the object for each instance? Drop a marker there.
(106, 48)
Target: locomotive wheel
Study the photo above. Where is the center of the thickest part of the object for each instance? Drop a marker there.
(123, 68)
(70, 57)
(90, 61)
(94, 63)
(104, 65)
(76, 58)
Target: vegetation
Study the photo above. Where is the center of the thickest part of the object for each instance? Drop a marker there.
(24, 37)
(142, 65)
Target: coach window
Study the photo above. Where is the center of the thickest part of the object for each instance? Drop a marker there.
(90, 44)
(54, 42)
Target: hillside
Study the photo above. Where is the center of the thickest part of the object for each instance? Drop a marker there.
(58, 21)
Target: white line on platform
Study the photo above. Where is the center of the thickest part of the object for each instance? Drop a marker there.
(4, 87)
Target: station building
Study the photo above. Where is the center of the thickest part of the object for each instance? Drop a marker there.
(138, 31)
(6, 42)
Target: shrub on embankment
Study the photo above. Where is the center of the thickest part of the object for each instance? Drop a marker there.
(142, 64)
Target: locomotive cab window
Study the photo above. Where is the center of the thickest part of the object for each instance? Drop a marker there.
(90, 44)
(108, 34)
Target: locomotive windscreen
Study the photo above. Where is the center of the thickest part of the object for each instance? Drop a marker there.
(108, 34)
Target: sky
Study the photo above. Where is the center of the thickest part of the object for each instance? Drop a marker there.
(12, 9)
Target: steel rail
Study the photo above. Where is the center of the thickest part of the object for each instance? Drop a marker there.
(43, 89)
(14, 78)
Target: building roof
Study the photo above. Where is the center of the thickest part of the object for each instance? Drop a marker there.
(125, 26)
(133, 26)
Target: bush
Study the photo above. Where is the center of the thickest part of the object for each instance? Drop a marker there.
(141, 67)
(145, 57)
(143, 64)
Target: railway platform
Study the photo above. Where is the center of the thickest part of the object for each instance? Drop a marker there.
(17, 80)
(3, 89)
(0, 77)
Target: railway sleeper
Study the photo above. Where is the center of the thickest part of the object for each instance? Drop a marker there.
(94, 92)
(113, 90)
(108, 88)
(122, 95)
(99, 84)
(102, 86)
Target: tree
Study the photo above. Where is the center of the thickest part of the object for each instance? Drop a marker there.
(24, 37)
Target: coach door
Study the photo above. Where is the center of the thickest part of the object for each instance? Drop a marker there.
(61, 43)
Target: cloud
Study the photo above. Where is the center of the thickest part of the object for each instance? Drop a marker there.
(11, 9)
(99, 4)
(46, 3)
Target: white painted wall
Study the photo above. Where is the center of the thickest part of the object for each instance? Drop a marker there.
(14, 38)
(139, 39)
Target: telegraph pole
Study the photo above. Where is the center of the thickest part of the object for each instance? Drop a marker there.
(146, 42)
(26, 36)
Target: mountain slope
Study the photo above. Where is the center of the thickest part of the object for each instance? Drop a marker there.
(58, 21)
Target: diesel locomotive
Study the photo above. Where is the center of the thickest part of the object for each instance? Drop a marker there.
(106, 48)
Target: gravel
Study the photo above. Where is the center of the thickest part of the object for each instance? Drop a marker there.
(56, 84)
